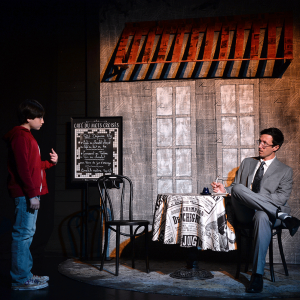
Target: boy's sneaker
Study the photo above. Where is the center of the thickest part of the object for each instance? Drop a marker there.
(31, 284)
(41, 278)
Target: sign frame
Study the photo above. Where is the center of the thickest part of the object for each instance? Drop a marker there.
(105, 130)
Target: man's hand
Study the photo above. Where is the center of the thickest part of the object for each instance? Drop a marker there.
(218, 187)
(34, 203)
(53, 156)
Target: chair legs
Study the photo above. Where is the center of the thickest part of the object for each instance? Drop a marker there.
(132, 239)
(117, 249)
(147, 249)
(279, 231)
(105, 248)
(272, 274)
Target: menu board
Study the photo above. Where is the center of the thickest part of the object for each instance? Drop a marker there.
(96, 147)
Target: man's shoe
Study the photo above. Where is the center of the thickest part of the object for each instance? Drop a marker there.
(292, 224)
(31, 284)
(256, 284)
(41, 278)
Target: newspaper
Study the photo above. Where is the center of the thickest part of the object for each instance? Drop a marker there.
(193, 221)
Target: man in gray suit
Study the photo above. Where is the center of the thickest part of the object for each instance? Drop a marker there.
(259, 194)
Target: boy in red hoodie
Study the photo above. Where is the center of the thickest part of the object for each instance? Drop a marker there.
(26, 183)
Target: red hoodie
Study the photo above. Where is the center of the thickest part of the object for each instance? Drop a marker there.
(27, 176)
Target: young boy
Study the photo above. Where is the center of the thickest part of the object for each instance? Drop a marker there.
(26, 183)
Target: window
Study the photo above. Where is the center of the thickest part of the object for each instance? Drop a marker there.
(173, 138)
(237, 124)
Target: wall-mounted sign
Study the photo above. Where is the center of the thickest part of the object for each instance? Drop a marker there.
(96, 147)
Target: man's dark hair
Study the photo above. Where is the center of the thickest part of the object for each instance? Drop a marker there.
(276, 134)
(30, 109)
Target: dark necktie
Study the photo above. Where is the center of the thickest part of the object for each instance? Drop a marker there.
(258, 177)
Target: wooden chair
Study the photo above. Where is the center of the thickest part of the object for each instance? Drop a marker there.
(275, 231)
(116, 193)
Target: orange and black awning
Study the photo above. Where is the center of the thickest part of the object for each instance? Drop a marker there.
(244, 38)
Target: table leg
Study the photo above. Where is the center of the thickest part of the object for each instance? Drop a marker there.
(192, 270)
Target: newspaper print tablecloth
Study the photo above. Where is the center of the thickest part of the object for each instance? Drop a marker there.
(193, 221)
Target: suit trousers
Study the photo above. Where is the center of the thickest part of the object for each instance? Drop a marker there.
(250, 207)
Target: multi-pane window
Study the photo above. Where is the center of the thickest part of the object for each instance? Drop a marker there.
(237, 125)
(174, 143)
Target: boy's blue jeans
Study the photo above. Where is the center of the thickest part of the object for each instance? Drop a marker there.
(22, 235)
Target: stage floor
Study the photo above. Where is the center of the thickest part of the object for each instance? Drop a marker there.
(77, 279)
(158, 281)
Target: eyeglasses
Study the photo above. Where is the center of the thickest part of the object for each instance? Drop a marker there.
(263, 144)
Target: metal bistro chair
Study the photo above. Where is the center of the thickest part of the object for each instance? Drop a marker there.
(275, 231)
(109, 186)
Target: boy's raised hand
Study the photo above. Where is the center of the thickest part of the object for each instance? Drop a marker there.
(53, 156)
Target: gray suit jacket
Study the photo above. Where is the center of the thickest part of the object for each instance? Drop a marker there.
(276, 185)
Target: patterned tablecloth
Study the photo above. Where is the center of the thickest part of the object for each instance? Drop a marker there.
(193, 220)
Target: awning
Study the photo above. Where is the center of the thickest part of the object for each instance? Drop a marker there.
(244, 38)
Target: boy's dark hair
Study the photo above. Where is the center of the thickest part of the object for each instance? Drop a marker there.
(30, 109)
(276, 134)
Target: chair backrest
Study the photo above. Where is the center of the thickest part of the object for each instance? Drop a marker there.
(116, 197)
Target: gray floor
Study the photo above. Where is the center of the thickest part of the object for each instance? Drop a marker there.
(158, 281)
(76, 286)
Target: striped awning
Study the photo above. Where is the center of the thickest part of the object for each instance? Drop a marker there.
(261, 37)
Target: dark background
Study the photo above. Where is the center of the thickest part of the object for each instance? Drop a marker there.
(44, 47)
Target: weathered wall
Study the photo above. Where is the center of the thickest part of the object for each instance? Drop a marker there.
(278, 101)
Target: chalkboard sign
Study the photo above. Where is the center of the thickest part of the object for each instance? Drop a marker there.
(96, 147)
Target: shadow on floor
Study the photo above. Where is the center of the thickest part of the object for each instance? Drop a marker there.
(63, 287)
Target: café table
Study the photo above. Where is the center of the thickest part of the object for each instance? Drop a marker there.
(194, 221)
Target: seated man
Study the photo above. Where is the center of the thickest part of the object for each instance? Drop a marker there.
(259, 194)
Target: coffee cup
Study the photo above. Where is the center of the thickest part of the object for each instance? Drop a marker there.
(205, 191)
